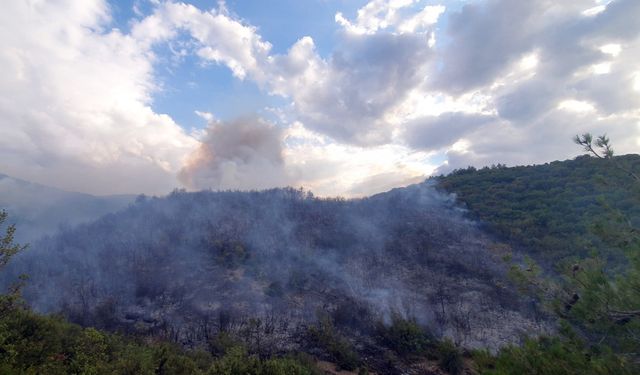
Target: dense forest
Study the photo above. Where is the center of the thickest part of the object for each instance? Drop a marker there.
(492, 271)
(551, 209)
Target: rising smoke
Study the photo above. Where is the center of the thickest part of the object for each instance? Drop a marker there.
(241, 154)
(173, 265)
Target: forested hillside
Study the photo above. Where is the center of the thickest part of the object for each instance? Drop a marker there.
(416, 280)
(552, 210)
(579, 220)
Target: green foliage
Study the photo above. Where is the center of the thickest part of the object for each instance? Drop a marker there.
(287, 366)
(335, 344)
(602, 148)
(7, 247)
(238, 362)
(34, 344)
(48, 345)
(606, 308)
(552, 356)
(551, 209)
(221, 343)
(450, 358)
(581, 217)
(404, 336)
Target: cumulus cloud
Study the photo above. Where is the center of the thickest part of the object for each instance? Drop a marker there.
(75, 103)
(499, 81)
(351, 96)
(329, 168)
(536, 142)
(549, 70)
(396, 14)
(347, 96)
(219, 37)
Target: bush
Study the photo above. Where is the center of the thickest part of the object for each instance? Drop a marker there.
(35, 344)
(554, 356)
(404, 336)
(450, 358)
(336, 345)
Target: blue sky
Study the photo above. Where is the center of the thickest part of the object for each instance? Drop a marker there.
(189, 86)
(340, 97)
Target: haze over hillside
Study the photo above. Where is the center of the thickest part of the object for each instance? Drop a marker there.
(282, 271)
(320, 187)
(38, 210)
(169, 264)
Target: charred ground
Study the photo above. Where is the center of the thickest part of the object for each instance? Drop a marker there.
(265, 266)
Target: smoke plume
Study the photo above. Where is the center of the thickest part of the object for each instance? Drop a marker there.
(241, 154)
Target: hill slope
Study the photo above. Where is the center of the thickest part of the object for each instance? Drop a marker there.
(550, 209)
(170, 265)
(38, 210)
(282, 271)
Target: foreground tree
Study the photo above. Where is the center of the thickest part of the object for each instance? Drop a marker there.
(602, 149)
(605, 302)
(8, 248)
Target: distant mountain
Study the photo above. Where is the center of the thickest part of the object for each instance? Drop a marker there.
(38, 209)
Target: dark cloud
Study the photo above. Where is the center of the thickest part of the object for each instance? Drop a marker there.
(527, 101)
(435, 132)
(481, 40)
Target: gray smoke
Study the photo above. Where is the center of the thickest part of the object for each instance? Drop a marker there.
(38, 210)
(242, 154)
(192, 263)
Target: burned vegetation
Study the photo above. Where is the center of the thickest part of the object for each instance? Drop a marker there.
(283, 271)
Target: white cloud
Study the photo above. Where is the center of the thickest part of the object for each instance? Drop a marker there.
(385, 80)
(542, 78)
(375, 15)
(328, 168)
(219, 37)
(351, 96)
(75, 103)
(425, 18)
(507, 82)
(207, 116)
(575, 106)
(348, 96)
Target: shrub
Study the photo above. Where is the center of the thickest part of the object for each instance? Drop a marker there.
(404, 336)
(336, 345)
(450, 358)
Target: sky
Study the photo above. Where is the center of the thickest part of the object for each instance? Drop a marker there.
(340, 97)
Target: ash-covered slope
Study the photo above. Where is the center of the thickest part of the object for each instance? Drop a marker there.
(190, 264)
